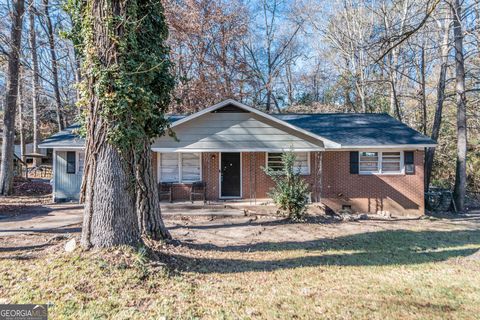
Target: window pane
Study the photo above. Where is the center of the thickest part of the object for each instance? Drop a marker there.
(275, 161)
(169, 167)
(190, 167)
(81, 162)
(369, 166)
(71, 155)
(301, 162)
(368, 162)
(368, 156)
(391, 162)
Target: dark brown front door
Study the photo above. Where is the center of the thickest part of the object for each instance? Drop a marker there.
(230, 179)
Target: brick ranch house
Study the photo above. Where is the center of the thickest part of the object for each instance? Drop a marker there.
(366, 162)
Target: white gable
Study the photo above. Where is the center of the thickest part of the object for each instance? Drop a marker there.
(214, 130)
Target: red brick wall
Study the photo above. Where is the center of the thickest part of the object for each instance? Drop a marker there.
(253, 177)
(258, 180)
(210, 174)
(398, 194)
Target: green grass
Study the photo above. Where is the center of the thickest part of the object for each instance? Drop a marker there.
(378, 275)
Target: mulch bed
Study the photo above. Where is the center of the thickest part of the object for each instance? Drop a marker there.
(25, 193)
(24, 187)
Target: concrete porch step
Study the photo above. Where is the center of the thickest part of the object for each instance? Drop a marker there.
(224, 208)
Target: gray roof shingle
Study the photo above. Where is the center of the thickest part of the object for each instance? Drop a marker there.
(68, 137)
(357, 129)
(347, 129)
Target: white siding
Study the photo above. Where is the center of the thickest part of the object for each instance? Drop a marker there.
(67, 186)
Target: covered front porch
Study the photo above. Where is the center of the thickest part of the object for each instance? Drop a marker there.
(226, 147)
(231, 176)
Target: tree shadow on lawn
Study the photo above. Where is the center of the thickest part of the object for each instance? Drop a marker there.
(383, 248)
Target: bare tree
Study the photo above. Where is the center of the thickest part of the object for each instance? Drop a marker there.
(8, 137)
(393, 57)
(268, 54)
(461, 101)
(444, 49)
(21, 125)
(35, 78)
(54, 65)
(348, 33)
(206, 37)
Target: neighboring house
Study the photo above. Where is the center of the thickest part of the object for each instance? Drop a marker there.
(366, 162)
(28, 150)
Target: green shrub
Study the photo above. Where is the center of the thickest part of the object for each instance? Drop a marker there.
(291, 191)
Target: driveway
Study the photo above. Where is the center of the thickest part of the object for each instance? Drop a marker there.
(42, 218)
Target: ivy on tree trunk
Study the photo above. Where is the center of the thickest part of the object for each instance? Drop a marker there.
(126, 88)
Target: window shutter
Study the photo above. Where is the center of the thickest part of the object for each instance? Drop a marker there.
(353, 162)
(71, 157)
(409, 162)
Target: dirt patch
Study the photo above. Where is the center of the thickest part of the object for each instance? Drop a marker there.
(198, 236)
(26, 193)
(32, 188)
(29, 246)
(261, 229)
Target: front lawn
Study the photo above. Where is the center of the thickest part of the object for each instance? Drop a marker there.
(243, 269)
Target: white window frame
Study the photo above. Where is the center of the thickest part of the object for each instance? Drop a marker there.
(179, 168)
(301, 173)
(379, 163)
(77, 161)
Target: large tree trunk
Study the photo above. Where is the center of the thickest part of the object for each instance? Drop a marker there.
(53, 55)
(35, 82)
(461, 167)
(437, 120)
(8, 137)
(110, 216)
(147, 201)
